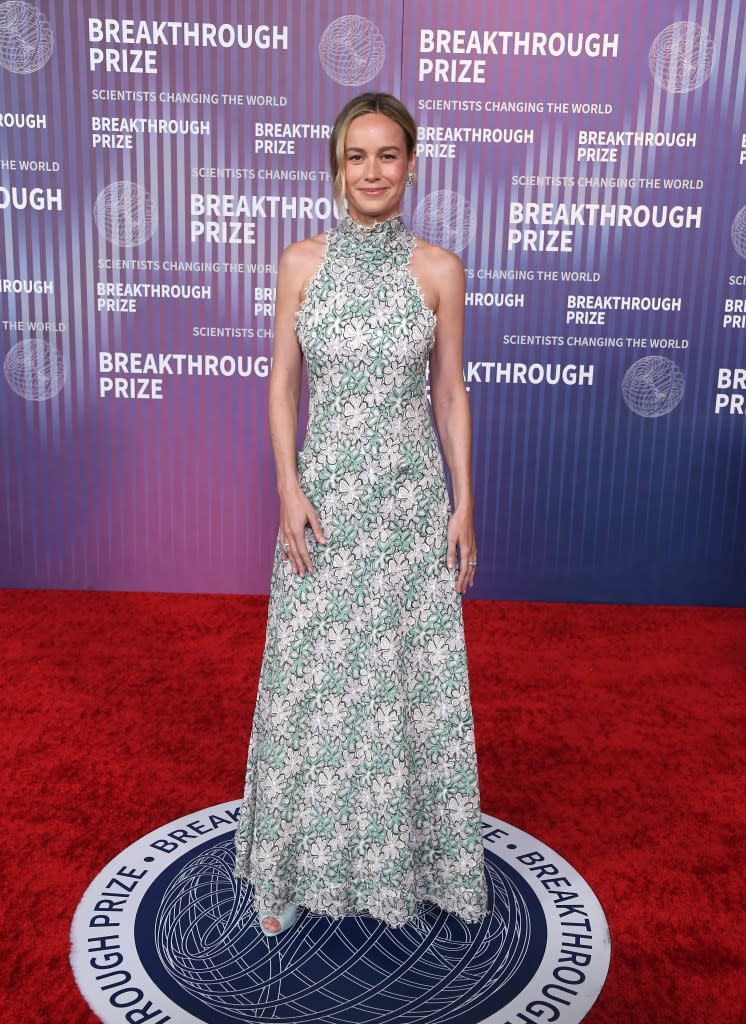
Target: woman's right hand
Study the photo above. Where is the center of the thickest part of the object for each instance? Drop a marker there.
(295, 511)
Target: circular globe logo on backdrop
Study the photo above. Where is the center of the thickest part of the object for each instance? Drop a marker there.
(167, 929)
(125, 213)
(352, 50)
(680, 58)
(738, 233)
(35, 369)
(26, 38)
(653, 386)
(446, 218)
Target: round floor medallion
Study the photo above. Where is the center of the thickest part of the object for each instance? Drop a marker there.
(167, 933)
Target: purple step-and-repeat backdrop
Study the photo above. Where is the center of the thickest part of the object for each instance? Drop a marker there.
(588, 164)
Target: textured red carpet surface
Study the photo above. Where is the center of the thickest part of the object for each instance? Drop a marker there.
(614, 734)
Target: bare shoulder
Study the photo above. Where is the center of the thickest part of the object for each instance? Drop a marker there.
(442, 261)
(299, 262)
(439, 271)
(433, 263)
(300, 255)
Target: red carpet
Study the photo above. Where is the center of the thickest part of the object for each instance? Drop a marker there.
(614, 734)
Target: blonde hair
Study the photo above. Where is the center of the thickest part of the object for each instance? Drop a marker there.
(367, 103)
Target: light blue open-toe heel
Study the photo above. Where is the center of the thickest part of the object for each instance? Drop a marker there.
(286, 917)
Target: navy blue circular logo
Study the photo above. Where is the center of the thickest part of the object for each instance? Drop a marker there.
(200, 941)
(167, 930)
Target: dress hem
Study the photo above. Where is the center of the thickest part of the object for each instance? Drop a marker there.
(367, 912)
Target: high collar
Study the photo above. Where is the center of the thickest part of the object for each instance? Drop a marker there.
(381, 231)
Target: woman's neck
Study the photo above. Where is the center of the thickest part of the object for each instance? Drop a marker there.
(369, 222)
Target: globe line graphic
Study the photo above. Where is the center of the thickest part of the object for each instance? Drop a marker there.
(445, 218)
(352, 50)
(738, 233)
(125, 214)
(191, 942)
(26, 37)
(35, 369)
(653, 387)
(209, 948)
(681, 57)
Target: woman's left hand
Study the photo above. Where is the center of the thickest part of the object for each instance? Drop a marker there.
(460, 534)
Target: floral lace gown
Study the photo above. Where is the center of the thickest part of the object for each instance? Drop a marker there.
(361, 787)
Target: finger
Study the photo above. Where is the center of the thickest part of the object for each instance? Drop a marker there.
(472, 569)
(463, 574)
(451, 554)
(305, 559)
(300, 551)
(289, 555)
(315, 522)
(291, 552)
(287, 550)
(299, 565)
(466, 555)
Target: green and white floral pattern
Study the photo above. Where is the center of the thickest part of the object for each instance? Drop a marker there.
(361, 786)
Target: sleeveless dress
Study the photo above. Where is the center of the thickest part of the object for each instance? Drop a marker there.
(361, 786)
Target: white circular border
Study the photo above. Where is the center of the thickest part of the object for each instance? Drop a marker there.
(575, 923)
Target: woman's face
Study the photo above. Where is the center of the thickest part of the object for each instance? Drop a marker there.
(376, 167)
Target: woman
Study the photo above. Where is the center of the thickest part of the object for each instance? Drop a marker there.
(361, 787)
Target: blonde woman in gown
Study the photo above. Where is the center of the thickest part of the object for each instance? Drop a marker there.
(361, 792)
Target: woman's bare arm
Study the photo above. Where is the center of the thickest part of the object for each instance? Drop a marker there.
(297, 264)
(450, 402)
